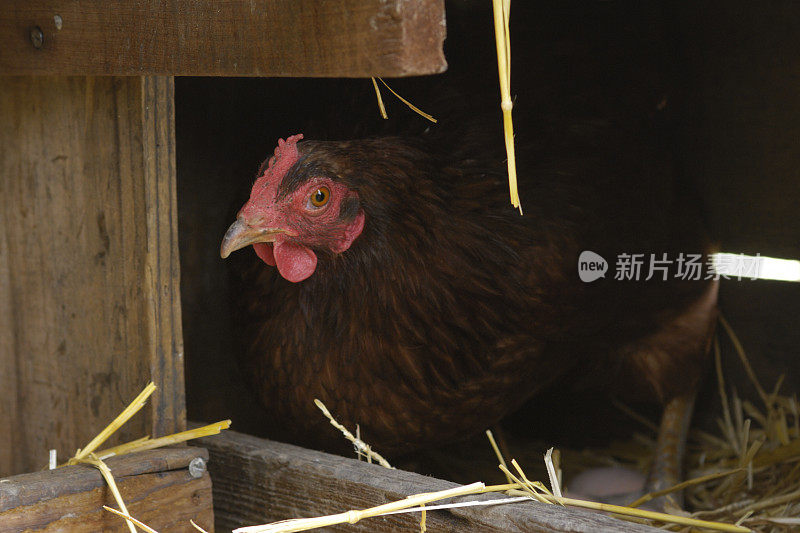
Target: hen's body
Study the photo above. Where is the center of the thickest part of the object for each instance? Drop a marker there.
(450, 309)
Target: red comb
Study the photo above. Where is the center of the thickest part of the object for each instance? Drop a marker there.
(266, 185)
(285, 155)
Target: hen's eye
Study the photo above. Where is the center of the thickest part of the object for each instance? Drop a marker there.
(320, 197)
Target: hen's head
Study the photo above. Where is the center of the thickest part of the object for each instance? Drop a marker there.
(295, 208)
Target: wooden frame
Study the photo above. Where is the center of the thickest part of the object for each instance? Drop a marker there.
(89, 273)
(318, 38)
(162, 488)
(258, 481)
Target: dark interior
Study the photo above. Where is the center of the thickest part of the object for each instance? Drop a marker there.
(721, 79)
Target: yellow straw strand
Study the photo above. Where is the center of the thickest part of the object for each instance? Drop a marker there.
(502, 32)
(527, 487)
(140, 445)
(106, 473)
(381, 107)
(737, 345)
(351, 517)
(680, 486)
(87, 455)
(198, 528)
(409, 104)
(128, 517)
(121, 449)
(361, 446)
(497, 452)
(118, 422)
(625, 511)
(652, 515)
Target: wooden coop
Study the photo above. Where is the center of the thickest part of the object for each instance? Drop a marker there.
(98, 287)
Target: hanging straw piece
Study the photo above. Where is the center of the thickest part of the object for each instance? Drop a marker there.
(502, 33)
(411, 106)
(106, 473)
(381, 107)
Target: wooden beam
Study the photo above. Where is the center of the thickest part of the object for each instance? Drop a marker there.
(258, 481)
(89, 302)
(315, 38)
(157, 486)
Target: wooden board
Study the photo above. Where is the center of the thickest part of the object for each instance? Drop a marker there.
(334, 38)
(156, 485)
(89, 304)
(258, 481)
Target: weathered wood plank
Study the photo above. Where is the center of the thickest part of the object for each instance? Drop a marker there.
(258, 481)
(27, 489)
(321, 38)
(88, 262)
(162, 269)
(156, 485)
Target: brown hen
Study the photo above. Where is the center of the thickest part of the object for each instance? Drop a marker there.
(413, 301)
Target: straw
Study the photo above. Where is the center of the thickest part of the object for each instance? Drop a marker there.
(501, 10)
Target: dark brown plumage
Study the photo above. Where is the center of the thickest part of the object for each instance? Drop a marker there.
(449, 309)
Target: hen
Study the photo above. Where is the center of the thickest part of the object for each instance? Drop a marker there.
(413, 301)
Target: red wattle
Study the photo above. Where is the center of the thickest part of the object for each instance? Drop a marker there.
(295, 262)
(264, 251)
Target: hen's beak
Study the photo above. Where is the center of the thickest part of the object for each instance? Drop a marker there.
(242, 234)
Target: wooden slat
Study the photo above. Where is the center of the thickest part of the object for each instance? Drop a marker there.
(28, 489)
(88, 262)
(258, 481)
(156, 486)
(323, 38)
(162, 269)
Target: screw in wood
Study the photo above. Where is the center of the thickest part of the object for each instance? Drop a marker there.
(37, 37)
(197, 467)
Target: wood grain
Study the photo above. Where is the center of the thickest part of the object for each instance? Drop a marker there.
(162, 268)
(320, 38)
(258, 481)
(88, 262)
(156, 486)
